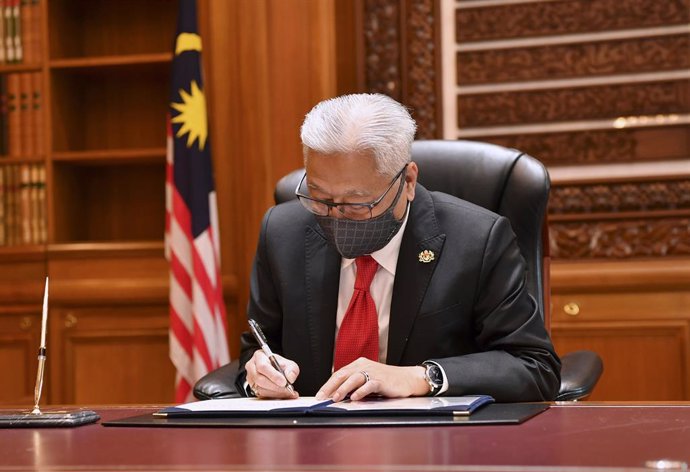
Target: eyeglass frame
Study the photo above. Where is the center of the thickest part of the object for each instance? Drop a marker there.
(330, 205)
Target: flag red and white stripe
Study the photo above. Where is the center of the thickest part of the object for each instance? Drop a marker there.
(198, 324)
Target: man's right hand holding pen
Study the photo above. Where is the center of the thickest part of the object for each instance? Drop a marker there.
(270, 372)
(266, 381)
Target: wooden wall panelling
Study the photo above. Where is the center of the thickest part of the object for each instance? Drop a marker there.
(642, 361)
(22, 275)
(111, 355)
(267, 62)
(635, 315)
(20, 334)
(109, 324)
(218, 28)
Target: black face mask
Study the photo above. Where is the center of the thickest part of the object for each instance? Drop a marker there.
(354, 238)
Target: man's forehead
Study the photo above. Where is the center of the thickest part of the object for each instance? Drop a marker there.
(334, 186)
(343, 174)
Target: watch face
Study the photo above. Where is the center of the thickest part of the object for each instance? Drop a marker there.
(434, 373)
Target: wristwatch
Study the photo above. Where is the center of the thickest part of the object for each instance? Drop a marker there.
(433, 376)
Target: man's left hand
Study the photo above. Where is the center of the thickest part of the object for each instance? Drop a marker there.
(365, 377)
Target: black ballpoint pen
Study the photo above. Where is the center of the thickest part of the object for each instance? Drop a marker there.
(261, 339)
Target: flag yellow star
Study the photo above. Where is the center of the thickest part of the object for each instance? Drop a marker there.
(192, 116)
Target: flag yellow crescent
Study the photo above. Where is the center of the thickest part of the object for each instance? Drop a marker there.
(187, 42)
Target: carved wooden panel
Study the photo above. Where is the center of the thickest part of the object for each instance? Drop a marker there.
(400, 57)
(608, 101)
(382, 48)
(617, 198)
(574, 60)
(420, 89)
(626, 238)
(602, 146)
(566, 17)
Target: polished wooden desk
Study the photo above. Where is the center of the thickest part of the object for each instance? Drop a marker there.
(573, 437)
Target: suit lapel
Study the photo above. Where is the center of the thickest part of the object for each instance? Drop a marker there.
(411, 275)
(322, 276)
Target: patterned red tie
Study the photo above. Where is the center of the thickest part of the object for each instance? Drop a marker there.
(359, 332)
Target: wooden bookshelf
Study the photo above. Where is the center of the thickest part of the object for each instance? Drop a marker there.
(112, 156)
(11, 160)
(105, 61)
(105, 73)
(12, 68)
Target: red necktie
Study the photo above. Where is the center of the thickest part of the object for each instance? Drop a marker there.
(358, 335)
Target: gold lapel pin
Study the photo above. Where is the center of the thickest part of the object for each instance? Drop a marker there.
(426, 256)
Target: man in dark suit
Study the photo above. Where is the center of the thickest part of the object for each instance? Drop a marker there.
(370, 284)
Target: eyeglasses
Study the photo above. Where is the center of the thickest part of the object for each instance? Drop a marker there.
(351, 211)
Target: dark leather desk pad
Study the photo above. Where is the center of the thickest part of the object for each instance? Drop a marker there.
(497, 413)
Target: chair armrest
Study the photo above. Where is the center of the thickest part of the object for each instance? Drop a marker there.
(580, 371)
(219, 383)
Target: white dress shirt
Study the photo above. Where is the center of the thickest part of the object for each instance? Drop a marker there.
(381, 291)
(381, 288)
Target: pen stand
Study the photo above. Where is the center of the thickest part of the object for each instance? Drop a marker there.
(47, 419)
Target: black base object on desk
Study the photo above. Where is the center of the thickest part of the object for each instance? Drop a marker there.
(47, 419)
(496, 413)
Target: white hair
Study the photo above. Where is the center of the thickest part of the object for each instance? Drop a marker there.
(361, 123)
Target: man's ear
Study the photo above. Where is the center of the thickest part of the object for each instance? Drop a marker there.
(411, 180)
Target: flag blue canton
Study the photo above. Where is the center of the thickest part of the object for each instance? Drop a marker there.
(193, 172)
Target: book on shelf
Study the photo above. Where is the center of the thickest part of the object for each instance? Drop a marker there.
(2, 206)
(26, 115)
(34, 202)
(25, 28)
(20, 26)
(25, 204)
(21, 115)
(42, 213)
(4, 149)
(370, 406)
(17, 32)
(13, 116)
(22, 204)
(3, 53)
(9, 205)
(9, 32)
(37, 135)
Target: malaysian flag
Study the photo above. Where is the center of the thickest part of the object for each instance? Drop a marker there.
(198, 333)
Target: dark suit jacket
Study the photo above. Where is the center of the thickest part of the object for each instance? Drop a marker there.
(468, 310)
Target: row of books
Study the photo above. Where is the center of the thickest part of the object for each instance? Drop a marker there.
(21, 114)
(20, 31)
(23, 205)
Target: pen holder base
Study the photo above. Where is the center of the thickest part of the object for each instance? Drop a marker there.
(47, 419)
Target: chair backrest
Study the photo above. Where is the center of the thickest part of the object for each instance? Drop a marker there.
(505, 181)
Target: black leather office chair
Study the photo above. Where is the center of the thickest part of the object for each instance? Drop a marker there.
(505, 181)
